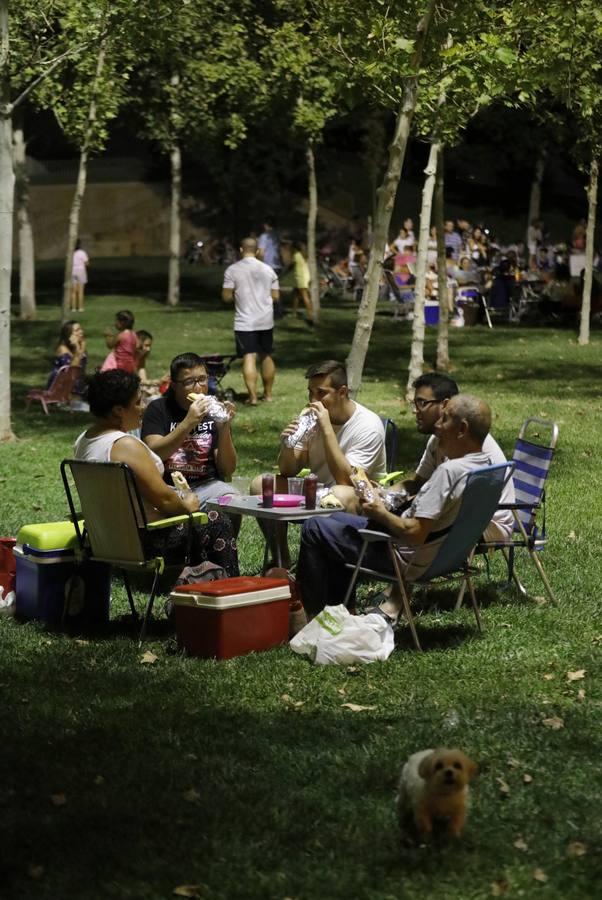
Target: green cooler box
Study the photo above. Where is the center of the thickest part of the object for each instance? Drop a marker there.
(52, 585)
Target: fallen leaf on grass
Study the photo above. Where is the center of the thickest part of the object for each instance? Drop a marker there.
(571, 536)
(499, 376)
(580, 695)
(499, 888)
(512, 762)
(148, 657)
(81, 642)
(288, 699)
(597, 639)
(191, 795)
(355, 707)
(35, 871)
(527, 779)
(575, 676)
(520, 843)
(548, 676)
(58, 799)
(503, 786)
(342, 691)
(554, 722)
(576, 849)
(36, 506)
(187, 890)
(541, 601)
(540, 875)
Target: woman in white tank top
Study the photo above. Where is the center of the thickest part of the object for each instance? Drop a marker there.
(115, 402)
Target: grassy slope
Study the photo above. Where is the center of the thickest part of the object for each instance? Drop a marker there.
(191, 771)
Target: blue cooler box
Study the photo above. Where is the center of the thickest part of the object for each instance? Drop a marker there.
(431, 313)
(52, 585)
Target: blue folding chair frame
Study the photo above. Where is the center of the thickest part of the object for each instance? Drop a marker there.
(480, 499)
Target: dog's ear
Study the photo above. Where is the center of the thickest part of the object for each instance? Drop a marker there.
(471, 767)
(425, 769)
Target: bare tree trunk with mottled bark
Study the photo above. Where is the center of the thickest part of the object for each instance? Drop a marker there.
(592, 201)
(7, 181)
(27, 290)
(535, 195)
(80, 187)
(442, 363)
(173, 282)
(312, 216)
(417, 351)
(384, 210)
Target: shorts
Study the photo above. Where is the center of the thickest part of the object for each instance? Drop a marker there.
(211, 490)
(261, 342)
(79, 278)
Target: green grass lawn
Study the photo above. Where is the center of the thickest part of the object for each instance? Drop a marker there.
(249, 778)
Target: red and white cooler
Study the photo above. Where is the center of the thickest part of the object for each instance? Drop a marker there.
(231, 617)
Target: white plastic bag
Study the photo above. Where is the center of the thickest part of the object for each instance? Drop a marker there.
(335, 636)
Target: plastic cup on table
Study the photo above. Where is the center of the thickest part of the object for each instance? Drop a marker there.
(296, 485)
(267, 490)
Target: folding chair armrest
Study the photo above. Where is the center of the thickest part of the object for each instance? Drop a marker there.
(373, 537)
(390, 478)
(199, 517)
(535, 505)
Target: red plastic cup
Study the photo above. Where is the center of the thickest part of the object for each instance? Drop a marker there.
(310, 488)
(267, 490)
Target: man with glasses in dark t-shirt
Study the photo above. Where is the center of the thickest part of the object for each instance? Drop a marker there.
(185, 435)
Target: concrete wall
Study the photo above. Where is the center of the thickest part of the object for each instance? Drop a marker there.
(126, 218)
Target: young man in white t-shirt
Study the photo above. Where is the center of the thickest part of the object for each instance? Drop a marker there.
(253, 287)
(347, 435)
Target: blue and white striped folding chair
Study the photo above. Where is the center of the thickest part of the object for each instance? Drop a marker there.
(532, 456)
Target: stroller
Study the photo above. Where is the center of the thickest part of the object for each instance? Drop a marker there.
(217, 367)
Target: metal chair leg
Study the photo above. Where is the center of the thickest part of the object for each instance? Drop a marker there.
(126, 581)
(149, 607)
(355, 574)
(407, 611)
(473, 599)
(536, 561)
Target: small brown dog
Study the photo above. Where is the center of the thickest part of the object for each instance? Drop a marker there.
(433, 788)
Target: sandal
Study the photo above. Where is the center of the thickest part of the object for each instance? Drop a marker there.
(390, 620)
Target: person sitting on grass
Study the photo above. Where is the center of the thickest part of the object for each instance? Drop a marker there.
(70, 351)
(116, 405)
(328, 544)
(187, 437)
(347, 435)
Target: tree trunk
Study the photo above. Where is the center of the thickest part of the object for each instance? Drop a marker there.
(535, 197)
(7, 180)
(417, 351)
(438, 215)
(80, 187)
(592, 202)
(173, 285)
(312, 215)
(384, 210)
(27, 291)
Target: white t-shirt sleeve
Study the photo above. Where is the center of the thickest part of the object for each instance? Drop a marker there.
(229, 278)
(433, 496)
(428, 462)
(275, 284)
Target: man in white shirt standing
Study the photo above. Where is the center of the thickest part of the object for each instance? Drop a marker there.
(253, 287)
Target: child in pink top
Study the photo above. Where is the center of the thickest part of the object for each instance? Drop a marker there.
(123, 344)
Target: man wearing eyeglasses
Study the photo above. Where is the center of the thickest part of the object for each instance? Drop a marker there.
(186, 437)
